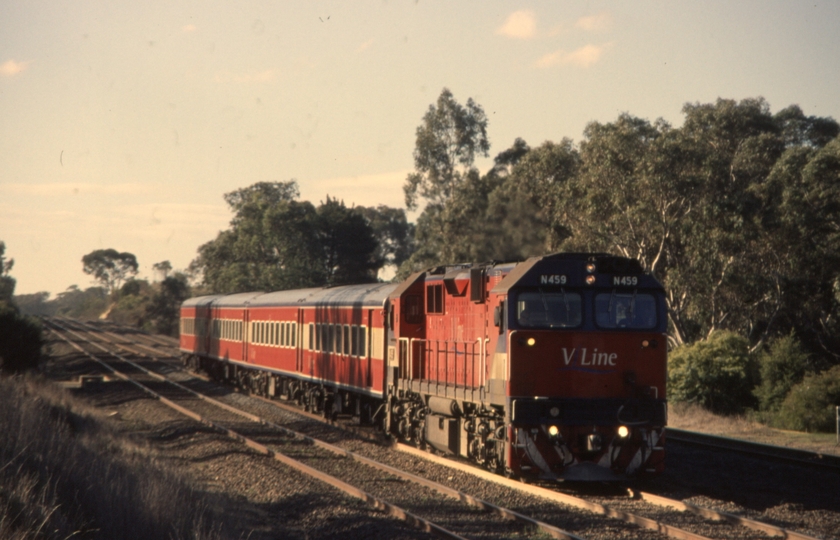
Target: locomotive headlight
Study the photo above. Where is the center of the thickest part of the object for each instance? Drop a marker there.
(590, 268)
(531, 342)
(623, 431)
(553, 431)
(590, 280)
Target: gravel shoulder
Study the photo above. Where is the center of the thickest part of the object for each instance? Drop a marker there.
(694, 418)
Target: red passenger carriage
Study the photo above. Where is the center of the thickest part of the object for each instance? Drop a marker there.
(552, 368)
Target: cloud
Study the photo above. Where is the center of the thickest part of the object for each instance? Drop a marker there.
(595, 23)
(267, 75)
(11, 68)
(582, 57)
(188, 28)
(62, 189)
(520, 24)
(365, 46)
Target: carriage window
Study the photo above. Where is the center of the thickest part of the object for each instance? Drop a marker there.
(346, 339)
(548, 310)
(311, 336)
(626, 310)
(361, 343)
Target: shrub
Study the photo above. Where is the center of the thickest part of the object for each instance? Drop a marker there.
(782, 366)
(717, 373)
(810, 404)
(20, 341)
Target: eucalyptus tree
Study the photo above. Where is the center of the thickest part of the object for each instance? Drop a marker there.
(110, 267)
(448, 140)
(521, 219)
(348, 245)
(276, 242)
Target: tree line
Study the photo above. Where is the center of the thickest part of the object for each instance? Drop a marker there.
(736, 212)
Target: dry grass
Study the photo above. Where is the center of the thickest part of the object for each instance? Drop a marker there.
(64, 473)
(695, 418)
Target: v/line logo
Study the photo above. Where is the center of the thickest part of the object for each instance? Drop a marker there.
(582, 357)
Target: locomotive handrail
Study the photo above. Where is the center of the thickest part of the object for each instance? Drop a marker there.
(435, 351)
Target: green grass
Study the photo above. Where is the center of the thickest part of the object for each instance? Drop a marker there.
(695, 418)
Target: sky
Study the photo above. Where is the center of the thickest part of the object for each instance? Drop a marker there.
(123, 123)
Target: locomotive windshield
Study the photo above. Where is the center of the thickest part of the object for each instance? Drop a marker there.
(549, 310)
(625, 310)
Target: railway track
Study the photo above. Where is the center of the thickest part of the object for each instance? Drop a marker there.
(765, 451)
(658, 516)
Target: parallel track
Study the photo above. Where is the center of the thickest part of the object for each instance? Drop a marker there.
(765, 451)
(392, 509)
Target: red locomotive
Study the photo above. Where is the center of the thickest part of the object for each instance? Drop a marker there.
(550, 368)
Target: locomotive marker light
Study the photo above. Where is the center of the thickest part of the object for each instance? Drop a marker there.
(553, 431)
(531, 342)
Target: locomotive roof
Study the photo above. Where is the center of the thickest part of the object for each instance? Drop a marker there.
(528, 273)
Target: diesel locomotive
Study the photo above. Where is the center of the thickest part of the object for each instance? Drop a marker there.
(551, 368)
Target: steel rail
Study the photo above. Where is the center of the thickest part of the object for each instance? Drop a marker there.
(118, 336)
(681, 435)
(555, 496)
(551, 530)
(767, 451)
(371, 500)
(708, 513)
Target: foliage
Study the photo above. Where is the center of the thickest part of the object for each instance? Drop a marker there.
(448, 141)
(810, 404)
(276, 242)
(20, 341)
(33, 304)
(76, 303)
(393, 233)
(110, 267)
(162, 268)
(716, 373)
(7, 282)
(781, 366)
(130, 305)
(163, 311)
(348, 245)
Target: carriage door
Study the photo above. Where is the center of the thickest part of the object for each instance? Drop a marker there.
(246, 333)
(300, 344)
